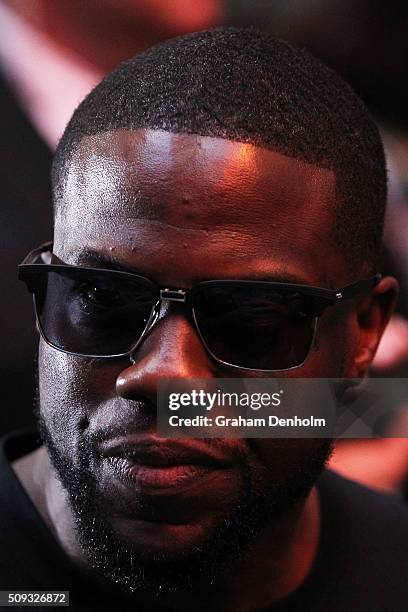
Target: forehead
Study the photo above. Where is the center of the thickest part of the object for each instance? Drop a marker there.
(160, 192)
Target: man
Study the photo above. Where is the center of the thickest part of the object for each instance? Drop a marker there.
(220, 155)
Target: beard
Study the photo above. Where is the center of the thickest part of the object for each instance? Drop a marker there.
(203, 568)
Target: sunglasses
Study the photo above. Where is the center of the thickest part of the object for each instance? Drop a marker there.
(251, 325)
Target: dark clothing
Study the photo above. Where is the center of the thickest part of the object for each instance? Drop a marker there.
(361, 566)
(25, 222)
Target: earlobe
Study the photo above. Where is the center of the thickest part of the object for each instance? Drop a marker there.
(362, 361)
(373, 314)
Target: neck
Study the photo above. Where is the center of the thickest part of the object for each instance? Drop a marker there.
(275, 565)
(280, 560)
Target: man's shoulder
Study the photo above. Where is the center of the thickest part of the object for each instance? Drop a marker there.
(18, 515)
(362, 560)
(361, 497)
(374, 523)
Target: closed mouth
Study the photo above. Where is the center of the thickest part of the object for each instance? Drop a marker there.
(151, 463)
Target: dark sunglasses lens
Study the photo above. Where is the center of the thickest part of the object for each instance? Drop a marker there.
(255, 327)
(92, 313)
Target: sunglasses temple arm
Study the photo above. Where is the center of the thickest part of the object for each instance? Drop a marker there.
(359, 288)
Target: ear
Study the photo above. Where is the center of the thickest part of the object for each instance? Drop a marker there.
(373, 313)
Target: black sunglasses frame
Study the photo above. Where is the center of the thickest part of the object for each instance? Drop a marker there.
(33, 264)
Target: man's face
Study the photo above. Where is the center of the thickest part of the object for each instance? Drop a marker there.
(180, 209)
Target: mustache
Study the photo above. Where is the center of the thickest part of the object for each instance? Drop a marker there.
(123, 417)
(135, 421)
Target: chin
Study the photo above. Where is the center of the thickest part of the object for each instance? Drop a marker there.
(164, 539)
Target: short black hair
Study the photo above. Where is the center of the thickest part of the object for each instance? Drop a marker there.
(243, 85)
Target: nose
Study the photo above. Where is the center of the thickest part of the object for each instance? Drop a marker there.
(172, 349)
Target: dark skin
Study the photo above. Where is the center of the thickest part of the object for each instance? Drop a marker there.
(180, 209)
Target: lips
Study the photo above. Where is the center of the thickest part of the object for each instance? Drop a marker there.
(153, 464)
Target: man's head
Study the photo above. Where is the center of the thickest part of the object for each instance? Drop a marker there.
(239, 85)
(221, 155)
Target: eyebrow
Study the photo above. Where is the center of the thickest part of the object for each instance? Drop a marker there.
(91, 258)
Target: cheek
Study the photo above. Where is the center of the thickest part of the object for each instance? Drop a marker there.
(58, 380)
(334, 347)
(70, 391)
(282, 459)
(60, 395)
